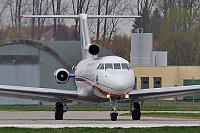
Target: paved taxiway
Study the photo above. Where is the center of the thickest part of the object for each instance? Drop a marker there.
(45, 119)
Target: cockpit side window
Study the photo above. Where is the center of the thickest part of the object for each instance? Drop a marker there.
(101, 66)
(108, 66)
(125, 66)
(129, 66)
(117, 66)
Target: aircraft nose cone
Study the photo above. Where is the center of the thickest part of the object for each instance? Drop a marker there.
(121, 82)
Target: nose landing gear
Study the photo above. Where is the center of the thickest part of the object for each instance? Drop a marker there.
(113, 112)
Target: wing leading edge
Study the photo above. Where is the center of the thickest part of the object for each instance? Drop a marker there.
(164, 92)
(44, 94)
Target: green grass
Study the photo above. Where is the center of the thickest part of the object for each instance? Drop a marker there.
(51, 108)
(26, 108)
(104, 130)
(151, 105)
(164, 105)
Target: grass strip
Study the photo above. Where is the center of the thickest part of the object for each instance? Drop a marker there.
(152, 105)
(104, 130)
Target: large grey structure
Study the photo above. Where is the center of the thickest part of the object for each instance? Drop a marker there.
(32, 63)
(142, 53)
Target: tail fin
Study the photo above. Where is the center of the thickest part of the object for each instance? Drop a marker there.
(88, 50)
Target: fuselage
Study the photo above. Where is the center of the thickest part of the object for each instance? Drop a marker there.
(102, 77)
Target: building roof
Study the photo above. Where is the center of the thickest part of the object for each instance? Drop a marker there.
(67, 52)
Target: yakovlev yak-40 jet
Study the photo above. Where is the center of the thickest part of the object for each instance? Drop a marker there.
(110, 78)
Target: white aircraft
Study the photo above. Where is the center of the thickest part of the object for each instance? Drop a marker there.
(110, 78)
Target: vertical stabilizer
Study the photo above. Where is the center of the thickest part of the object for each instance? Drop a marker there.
(85, 37)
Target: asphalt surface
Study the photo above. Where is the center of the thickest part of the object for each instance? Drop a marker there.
(45, 119)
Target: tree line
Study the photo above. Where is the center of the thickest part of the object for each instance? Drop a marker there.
(174, 23)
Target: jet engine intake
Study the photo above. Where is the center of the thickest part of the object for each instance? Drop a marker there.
(94, 49)
(61, 76)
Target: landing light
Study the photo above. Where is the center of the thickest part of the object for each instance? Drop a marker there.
(108, 96)
(126, 96)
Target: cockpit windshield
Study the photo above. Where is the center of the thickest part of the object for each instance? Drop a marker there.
(101, 66)
(117, 66)
(106, 66)
(124, 66)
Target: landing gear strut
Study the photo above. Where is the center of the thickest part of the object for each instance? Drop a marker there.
(113, 112)
(59, 110)
(135, 110)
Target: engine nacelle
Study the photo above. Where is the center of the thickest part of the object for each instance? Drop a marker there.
(94, 49)
(61, 76)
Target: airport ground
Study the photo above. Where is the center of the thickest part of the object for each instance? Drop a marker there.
(72, 119)
(92, 121)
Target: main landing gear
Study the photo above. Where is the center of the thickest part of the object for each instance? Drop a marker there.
(59, 110)
(135, 110)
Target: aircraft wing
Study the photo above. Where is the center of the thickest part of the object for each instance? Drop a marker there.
(164, 92)
(44, 94)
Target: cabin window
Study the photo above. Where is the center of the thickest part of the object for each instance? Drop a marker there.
(108, 66)
(124, 66)
(117, 66)
(101, 66)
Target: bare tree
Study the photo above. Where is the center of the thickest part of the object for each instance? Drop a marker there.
(56, 11)
(15, 11)
(4, 5)
(59, 7)
(39, 7)
(98, 21)
(144, 8)
(78, 7)
(122, 46)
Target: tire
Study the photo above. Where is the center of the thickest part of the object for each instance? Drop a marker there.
(114, 116)
(136, 114)
(59, 111)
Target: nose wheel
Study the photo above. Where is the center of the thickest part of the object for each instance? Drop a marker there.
(113, 113)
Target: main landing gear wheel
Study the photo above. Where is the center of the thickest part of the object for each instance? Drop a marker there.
(59, 111)
(113, 112)
(135, 111)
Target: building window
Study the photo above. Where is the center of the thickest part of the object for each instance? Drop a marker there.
(144, 82)
(135, 87)
(157, 82)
